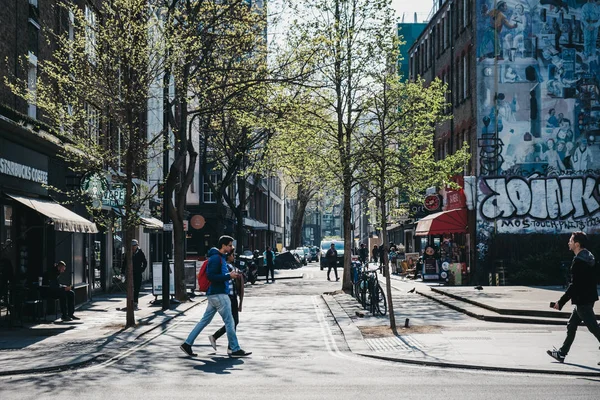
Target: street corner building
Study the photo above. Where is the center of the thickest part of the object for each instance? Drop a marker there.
(524, 82)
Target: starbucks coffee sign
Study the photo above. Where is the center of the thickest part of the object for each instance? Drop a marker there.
(104, 193)
(21, 171)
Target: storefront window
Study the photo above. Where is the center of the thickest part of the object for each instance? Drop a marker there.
(7, 216)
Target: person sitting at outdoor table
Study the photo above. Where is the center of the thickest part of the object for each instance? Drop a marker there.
(63, 293)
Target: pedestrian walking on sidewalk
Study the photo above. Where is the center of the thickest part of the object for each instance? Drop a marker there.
(63, 293)
(236, 289)
(363, 253)
(270, 264)
(582, 292)
(217, 297)
(331, 257)
(139, 266)
(375, 253)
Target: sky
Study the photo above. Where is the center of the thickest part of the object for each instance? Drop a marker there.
(409, 7)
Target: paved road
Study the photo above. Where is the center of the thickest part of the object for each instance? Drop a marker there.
(298, 353)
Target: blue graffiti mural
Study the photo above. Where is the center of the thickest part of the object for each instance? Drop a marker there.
(538, 70)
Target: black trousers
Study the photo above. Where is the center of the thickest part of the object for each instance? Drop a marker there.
(236, 317)
(137, 284)
(271, 269)
(67, 301)
(334, 266)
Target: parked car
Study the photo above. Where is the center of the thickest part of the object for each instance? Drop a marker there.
(306, 252)
(301, 256)
(314, 253)
(326, 245)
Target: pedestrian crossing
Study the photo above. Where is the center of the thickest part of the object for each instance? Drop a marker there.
(387, 344)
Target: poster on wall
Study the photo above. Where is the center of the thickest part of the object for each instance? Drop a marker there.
(538, 139)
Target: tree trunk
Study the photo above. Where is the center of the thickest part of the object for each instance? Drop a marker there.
(386, 271)
(297, 223)
(239, 214)
(347, 215)
(127, 225)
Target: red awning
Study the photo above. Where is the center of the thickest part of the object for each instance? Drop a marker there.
(453, 221)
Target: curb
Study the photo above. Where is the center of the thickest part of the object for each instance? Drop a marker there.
(56, 368)
(80, 364)
(493, 318)
(348, 327)
(481, 367)
(301, 276)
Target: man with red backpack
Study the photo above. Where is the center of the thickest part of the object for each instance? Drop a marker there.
(218, 299)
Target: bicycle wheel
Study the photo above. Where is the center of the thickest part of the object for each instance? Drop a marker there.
(381, 301)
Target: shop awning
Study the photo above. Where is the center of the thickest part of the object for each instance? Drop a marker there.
(453, 221)
(62, 218)
(152, 223)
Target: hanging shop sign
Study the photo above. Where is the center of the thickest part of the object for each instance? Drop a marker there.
(104, 193)
(433, 202)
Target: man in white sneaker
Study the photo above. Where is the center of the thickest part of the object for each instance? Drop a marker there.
(582, 292)
(218, 299)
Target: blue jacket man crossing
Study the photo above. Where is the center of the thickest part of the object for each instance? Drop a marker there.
(218, 298)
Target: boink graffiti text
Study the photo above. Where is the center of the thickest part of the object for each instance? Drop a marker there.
(540, 198)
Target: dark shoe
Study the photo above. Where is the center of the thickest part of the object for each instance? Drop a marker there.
(187, 349)
(74, 318)
(328, 279)
(240, 353)
(213, 342)
(556, 354)
(66, 319)
(337, 279)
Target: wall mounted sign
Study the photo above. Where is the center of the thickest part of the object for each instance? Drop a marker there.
(23, 171)
(433, 202)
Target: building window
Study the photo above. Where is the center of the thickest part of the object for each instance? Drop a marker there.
(32, 85)
(465, 77)
(209, 195)
(93, 122)
(90, 33)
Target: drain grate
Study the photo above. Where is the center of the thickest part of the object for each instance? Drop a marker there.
(406, 343)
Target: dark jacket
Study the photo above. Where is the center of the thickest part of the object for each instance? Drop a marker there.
(217, 273)
(139, 263)
(363, 254)
(331, 256)
(583, 287)
(53, 281)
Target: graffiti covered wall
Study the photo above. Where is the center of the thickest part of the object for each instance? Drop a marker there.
(538, 74)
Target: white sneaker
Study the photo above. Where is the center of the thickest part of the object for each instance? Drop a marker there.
(213, 342)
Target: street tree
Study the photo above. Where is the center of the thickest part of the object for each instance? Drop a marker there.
(341, 38)
(218, 51)
(397, 153)
(94, 92)
(298, 149)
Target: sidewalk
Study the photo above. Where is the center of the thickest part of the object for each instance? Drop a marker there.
(100, 334)
(55, 346)
(440, 336)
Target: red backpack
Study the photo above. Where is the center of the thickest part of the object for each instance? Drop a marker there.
(203, 282)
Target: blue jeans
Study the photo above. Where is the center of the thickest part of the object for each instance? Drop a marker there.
(222, 304)
(581, 313)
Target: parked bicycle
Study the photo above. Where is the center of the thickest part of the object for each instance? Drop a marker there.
(368, 291)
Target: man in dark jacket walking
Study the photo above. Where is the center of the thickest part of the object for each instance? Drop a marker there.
(582, 292)
(363, 253)
(218, 299)
(331, 257)
(139, 266)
